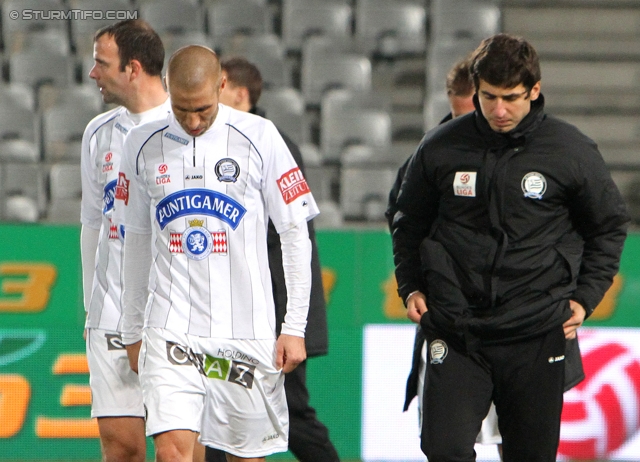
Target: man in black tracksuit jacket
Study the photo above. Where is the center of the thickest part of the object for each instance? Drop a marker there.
(508, 233)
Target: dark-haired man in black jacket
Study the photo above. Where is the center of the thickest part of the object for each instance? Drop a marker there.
(509, 231)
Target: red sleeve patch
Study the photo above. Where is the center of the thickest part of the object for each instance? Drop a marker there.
(292, 185)
(122, 188)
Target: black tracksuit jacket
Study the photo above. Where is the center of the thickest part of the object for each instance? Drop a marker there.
(545, 224)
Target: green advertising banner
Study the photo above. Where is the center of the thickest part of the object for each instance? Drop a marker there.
(44, 394)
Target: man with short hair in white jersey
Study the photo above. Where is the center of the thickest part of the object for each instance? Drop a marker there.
(198, 189)
(128, 58)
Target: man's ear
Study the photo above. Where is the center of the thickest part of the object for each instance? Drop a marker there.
(243, 95)
(136, 69)
(535, 91)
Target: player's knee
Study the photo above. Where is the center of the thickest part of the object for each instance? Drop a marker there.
(170, 453)
(119, 452)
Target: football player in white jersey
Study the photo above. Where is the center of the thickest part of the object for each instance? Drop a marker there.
(198, 189)
(128, 58)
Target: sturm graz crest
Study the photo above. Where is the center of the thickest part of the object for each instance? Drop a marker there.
(227, 170)
(197, 241)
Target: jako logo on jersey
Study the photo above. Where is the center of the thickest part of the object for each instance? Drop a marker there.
(164, 177)
(122, 188)
(534, 185)
(108, 198)
(173, 137)
(292, 185)
(464, 184)
(231, 371)
(227, 170)
(199, 202)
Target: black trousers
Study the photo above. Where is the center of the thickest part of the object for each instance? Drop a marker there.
(524, 379)
(308, 437)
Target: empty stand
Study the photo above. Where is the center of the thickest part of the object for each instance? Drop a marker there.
(173, 16)
(63, 127)
(227, 18)
(286, 108)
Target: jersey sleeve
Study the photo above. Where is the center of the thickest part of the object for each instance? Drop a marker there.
(287, 194)
(132, 199)
(92, 200)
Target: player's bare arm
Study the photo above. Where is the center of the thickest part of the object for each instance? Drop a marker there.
(133, 351)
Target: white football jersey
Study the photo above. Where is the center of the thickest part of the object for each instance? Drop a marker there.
(102, 145)
(206, 202)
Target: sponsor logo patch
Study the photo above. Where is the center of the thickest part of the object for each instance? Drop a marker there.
(121, 128)
(107, 166)
(197, 201)
(109, 197)
(292, 185)
(181, 355)
(464, 184)
(236, 372)
(114, 342)
(176, 138)
(122, 188)
(163, 177)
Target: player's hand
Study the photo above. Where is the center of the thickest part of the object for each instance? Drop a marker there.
(290, 351)
(575, 321)
(133, 351)
(416, 306)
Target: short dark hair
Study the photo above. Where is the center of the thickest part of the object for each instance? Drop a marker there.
(242, 73)
(459, 81)
(506, 61)
(137, 40)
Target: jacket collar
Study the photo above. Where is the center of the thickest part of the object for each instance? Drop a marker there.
(519, 134)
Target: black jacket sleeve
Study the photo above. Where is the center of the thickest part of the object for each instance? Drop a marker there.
(417, 208)
(601, 218)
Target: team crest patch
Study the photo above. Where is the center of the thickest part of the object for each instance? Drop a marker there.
(464, 184)
(196, 241)
(218, 242)
(534, 185)
(227, 170)
(292, 185)
(122, 188)
(438, 351)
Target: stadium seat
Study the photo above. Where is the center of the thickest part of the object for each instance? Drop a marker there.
(19, 133)
(330, 216)
(17, 94)
(173, 16)
(25, 22)
(227, 18)
(304, 18)
(352, 127)
(364, 191)
(267, 53)
(86, 96)
(325, 71)
(24, 180)
(286, 108)
(391, 28)
(436, 107)
(65, 181)
(38, 67)
(55, 40)
(62, 131)
(441, 56)
(84, 28)
(63, 211)
(464, 19)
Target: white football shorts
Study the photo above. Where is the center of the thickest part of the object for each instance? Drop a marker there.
(228, 390)
(115, 389)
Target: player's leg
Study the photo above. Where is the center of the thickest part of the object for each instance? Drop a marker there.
(116, 398)
(308, 437)
(232, 458)
(457, 396)
(122, 439)
(528, 396)
(198, 452)
(173, 392)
